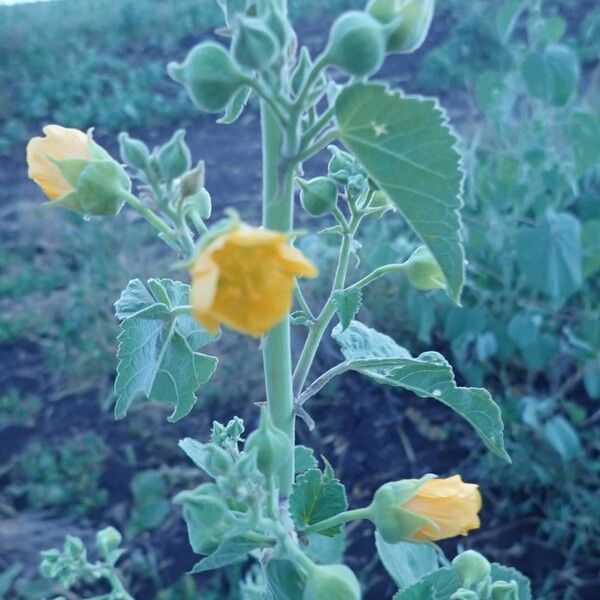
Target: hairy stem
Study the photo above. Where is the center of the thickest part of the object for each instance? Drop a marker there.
(345, 517)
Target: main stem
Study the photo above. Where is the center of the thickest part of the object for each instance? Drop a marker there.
(278, 215)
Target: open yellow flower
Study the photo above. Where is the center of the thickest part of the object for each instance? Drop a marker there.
(245, 279)
(451, 504)
(60, 143)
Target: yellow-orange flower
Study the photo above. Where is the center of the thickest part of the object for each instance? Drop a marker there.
(450, 503)
(245, 279)
(60, 143)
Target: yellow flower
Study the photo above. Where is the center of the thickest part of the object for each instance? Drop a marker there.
(245, 279)
(450, 503)
(60, 143)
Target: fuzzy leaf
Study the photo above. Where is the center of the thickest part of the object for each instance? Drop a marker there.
(439, 585)
(158, 352)
(347, 303)
(230, 551)
(502, 573)
(407, 147)
(316, 496)
(428, 375)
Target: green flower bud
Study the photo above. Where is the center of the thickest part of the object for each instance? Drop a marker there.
(357, 44)
(319, 195)
(108, 540)
(209, 75)
(423, 271)
(413, 19)
(504, 590)
(271, 445)
(341, 165)
(471, 567)
(217, 460)
(380, 202)
(254, 47)
(174, 158)
(207, 517)
(133, 152)
(192, 181)
(332, 582)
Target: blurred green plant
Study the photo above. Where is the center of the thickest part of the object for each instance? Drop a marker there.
(65, 475)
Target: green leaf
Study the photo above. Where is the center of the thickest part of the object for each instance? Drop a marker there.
(549, 255)
(507, 17)
(7, 578)
(407, 147)
(590, 240)
(151, 506)
(429, 375)
(326, 550)
(283, 580)
(502, 573)
(563, 438)
(439, 585)
(347, 303)
(584, 132)
(304, 459)
(231, 551)
(317, 496)
(552, 75)
(591, 377)
(158, 352)
(406, 562)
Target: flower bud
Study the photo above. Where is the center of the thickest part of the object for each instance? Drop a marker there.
(133, 152)
(357, 44)
(254, 47)
(174, 158)
(209, 75)
(425, 509)
(504, 590)
(108, 540)
(331, 582)
(423, 271)
(319, 195)
(75, 172)
(380, 202)
(217, 460)
(413, 19)
(271, 445)
(471, 567)
(341, 165)
(192, 181)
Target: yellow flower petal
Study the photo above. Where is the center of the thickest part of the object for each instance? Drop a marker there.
(450, 503)
(60, 143)
(245, 279)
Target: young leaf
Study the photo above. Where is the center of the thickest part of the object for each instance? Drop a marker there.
(428, 375)
(231, 551)
(158, 352)
(439, 585)
(347, 303)
(407, 147)
(549, 255)
(406, 562)
(317, 496)
(304, 459)
(502, 573)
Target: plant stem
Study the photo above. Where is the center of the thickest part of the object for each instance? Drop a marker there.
(117, 585)
(376, 274)
(315, 333)
(278, 215)
(148, 214)
(345, 517)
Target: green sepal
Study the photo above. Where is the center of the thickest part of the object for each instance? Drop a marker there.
(175, 158)
(271, 445)
(207, 516)
(133, 152)
(423, 271)
(356, 44)
(254, 47)
(393, 522)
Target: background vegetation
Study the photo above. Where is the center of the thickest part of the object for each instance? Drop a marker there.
(520, 80)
